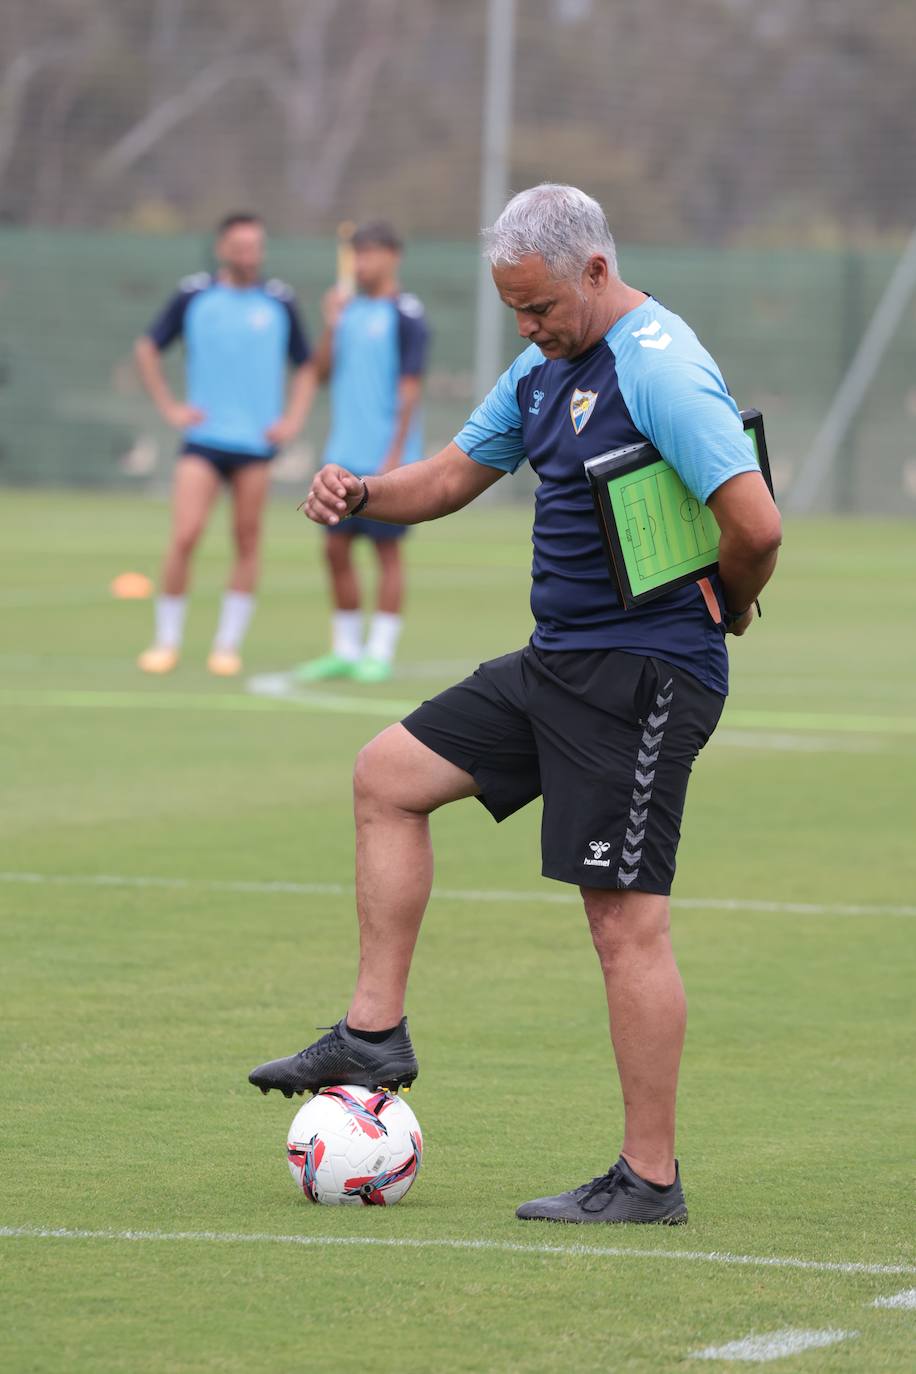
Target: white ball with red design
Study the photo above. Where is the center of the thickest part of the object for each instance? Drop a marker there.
(354, 1146)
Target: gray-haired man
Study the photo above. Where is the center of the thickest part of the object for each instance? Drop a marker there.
(568, 716)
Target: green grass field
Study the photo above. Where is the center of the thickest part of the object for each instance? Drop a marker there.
(175, 881)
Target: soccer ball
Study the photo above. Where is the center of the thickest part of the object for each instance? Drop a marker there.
(357, 1146)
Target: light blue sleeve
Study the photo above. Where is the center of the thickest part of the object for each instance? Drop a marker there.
(682, 406)
(492, 435)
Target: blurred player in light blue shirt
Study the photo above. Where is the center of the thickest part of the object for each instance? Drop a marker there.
(249, 385)
(373, 353)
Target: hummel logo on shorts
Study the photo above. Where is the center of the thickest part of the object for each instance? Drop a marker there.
(598, 847)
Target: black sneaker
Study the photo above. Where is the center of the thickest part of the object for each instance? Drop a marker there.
(341, 1057)
(619, 1195)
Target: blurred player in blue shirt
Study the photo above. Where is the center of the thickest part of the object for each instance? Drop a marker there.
(241, 336)
(373, 352)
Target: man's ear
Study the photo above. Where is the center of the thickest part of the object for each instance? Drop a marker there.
(596, 272)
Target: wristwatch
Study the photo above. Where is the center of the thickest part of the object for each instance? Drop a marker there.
(361, 504)
(729, 618)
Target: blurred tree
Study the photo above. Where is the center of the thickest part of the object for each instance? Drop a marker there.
(710, 120)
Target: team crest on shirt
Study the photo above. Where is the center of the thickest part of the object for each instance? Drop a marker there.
(580, 408)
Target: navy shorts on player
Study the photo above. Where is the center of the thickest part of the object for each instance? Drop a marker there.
(225, 460)
(607, 738)
(371, 529)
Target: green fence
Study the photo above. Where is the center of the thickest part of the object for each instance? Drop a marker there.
(783, 325)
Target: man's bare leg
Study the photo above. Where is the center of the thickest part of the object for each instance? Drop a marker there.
(338, 552)
(385, 625)
(194, 489)
(346, 618)
(390, 599)
(250, 485)
(648, 1015)
(397, 783)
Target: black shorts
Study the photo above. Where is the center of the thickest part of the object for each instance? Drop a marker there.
(225, 460)
(608, 738)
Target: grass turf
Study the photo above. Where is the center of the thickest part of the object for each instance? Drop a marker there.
(132, 1012)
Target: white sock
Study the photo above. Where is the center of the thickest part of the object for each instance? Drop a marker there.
(234, 616)
(347, 635)
(383, 636)
(170, 614)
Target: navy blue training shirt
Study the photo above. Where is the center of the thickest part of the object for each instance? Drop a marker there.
(238, 342)
(648, 378)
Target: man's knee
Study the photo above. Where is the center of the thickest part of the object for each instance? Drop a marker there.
(378, 775)
(622, 923)
(395, 772)
(186, 537)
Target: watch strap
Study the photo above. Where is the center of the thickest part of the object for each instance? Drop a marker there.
(362, 503)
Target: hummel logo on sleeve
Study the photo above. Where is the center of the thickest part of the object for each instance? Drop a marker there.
(598, 847)
(647, 339)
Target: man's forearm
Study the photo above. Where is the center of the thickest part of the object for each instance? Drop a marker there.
(744, 572)
(301, 394)
(409, 495)
(751, 532)
(409, 390)
(149, 365)
(324, 355)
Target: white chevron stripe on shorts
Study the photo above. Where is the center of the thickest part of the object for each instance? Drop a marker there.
(646, 762)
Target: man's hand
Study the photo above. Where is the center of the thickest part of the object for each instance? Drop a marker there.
(282, 431)
(333, 494)
(182, 416)
(739, 627)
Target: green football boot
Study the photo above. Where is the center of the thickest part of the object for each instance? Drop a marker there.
(321, 669)
(370, 670)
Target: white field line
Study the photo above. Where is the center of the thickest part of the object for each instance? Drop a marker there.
(772, 1345)
(906, 1299)
(456, 894)
(763, 730)
(781, 725)
(453, 1243)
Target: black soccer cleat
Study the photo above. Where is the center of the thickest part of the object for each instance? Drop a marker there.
(617, 1196)
(341, 1057)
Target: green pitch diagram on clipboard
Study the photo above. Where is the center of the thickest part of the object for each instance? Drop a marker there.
(656, 533)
